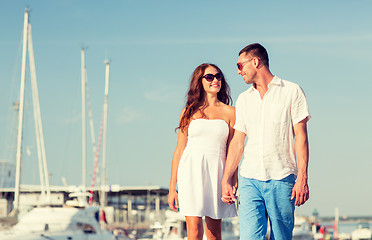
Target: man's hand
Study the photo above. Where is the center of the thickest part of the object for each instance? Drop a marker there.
(300, 192)
(173, 200)
(301, 189)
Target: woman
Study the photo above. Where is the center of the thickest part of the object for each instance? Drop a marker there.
(205, 130)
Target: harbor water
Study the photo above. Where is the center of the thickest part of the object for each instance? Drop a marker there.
(348, 227)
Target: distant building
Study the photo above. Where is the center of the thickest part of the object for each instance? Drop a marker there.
(126, 207)
(315, 213)
(7, 174)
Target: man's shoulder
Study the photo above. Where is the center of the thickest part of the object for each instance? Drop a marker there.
(245, 93)
(242, 98)
(290, 85)
(292, 89)
(283, 81)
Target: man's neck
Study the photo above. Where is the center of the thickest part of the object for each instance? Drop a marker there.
(263, 81)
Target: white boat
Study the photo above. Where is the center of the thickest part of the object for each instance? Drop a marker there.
(301, 230)
(58, 223)
(362, 232)
(174, 228)
(230, 229)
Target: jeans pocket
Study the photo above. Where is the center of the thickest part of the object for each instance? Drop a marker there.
(289, 180)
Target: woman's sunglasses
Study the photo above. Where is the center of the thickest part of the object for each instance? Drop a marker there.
(210, 77)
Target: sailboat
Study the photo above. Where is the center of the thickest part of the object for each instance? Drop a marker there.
(47, 222)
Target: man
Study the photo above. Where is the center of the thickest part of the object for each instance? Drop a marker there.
(273, 114)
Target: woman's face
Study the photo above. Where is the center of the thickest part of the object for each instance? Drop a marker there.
(213, 86)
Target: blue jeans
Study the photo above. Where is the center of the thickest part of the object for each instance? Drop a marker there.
(259, 200)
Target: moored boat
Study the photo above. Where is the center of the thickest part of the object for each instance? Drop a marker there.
(58, 223)
(362, 232)
(301, 230)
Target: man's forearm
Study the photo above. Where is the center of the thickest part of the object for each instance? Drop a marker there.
(302, 150)
(234, 155)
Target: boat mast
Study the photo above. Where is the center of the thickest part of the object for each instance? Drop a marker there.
(20, 116)
(83, 119)
(335, 225)
(104, 147)
(44, 175)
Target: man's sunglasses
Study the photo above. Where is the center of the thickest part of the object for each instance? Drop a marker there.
(241, 65)
(210, 77)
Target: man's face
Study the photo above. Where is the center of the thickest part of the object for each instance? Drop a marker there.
(246, 68)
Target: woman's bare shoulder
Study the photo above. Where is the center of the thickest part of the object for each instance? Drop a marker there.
(229, 113)
(230, 110)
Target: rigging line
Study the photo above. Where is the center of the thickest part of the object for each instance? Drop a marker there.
(12, 113)
(90, 114)
(91, 124)
(73, 118)
(96, 160)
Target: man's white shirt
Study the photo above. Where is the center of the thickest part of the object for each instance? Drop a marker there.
(268, 124)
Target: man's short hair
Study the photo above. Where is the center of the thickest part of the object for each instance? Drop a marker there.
(256, 50)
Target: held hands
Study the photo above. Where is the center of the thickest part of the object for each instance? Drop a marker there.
(173, 200)
(300, 191)
(228, 193)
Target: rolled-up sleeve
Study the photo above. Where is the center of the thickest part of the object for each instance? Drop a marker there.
(239, 112)
(299, 108)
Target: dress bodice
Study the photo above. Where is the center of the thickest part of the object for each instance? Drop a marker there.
(208, 134)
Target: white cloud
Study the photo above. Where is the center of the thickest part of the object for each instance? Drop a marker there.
(239, 39)
(161, 94)
(321, 38)
(129, 114)
(74, 119)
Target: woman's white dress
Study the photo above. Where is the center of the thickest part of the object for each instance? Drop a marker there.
(201, 168)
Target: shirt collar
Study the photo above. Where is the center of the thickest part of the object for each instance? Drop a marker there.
(251, 89)
(275, 81)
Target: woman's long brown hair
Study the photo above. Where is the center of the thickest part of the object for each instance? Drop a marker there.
(196, 95)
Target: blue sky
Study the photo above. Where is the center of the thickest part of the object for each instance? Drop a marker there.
(324, 46)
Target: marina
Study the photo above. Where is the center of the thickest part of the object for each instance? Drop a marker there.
(138, 213)
(98, 210)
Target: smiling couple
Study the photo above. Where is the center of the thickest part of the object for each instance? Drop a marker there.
(273, 176)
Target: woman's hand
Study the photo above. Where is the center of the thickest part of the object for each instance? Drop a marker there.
(228, 193)
(173, 200)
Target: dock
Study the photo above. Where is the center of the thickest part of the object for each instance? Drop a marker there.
(128, 207)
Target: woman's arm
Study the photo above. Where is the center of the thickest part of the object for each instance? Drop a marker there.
(231, 115)
(181, 144)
